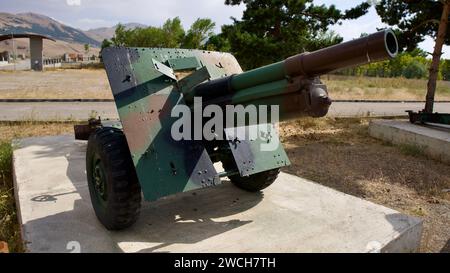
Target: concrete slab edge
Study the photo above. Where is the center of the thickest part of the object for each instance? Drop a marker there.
(410, 238)
(432, 147)
(16, 196)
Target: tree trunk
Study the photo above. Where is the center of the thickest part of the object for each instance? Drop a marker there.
(434, 67)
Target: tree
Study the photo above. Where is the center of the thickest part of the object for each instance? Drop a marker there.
(271, 30)
(445, 70)
(414, 70)
(121, 36)
(106, 43)
(218, 42)
(86, 48)
(199, 32)
(407, 64)
(171, 34)
(414, 20)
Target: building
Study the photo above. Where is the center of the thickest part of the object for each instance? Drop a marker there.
(4, 56)
(36, 47)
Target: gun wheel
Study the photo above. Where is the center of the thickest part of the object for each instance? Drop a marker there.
(113, 184)
(254, 182)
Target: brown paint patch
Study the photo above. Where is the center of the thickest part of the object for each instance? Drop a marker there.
(183, 74)
(138, 125)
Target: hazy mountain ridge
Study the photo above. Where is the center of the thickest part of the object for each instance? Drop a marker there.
(41, 24)
(108, 32)
(68, 39)
(37, 23)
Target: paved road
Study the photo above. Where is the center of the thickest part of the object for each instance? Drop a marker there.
(82, 110)
(56, 110)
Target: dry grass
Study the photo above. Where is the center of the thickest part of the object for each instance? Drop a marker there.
(9, 227)
(12, 130)
(338, 153)
(60, 83)
(93, 83)
(372, 88)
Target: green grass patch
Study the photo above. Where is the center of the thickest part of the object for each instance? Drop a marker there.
(9, 227)
(5, 160)
(411, 150)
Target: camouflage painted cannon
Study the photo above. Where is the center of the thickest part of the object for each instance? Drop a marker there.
(139, 153)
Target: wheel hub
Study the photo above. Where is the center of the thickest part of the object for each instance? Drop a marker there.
(99, 180)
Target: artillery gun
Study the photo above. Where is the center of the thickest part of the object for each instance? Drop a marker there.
(140, 154)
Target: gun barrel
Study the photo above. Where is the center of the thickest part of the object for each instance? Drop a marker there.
(371, 48)
(293, 83)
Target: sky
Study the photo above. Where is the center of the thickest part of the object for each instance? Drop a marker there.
(87, 14)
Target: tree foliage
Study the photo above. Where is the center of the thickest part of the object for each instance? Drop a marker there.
(106, 43)
(445, 70)
(410, 65)
(271, 30)
(218, 42)
(171, 34)
(412, 20)
(199, 33)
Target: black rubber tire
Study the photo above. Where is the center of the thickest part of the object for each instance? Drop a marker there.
(252, 183)
(108, 151)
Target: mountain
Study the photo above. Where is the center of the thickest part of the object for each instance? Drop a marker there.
(51, 49)
(41, 24)
(68, 39)
(102, 33)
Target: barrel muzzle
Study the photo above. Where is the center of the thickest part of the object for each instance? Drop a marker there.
(379, 46)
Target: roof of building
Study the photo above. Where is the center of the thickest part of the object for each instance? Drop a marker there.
(23, 35)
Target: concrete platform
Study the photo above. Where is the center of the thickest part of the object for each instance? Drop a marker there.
(293, 215)
(433, 141)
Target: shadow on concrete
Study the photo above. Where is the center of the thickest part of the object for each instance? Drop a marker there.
(446, 248)
(399, 221)
(189, 218)
(49, 197)
(410, 228)
(185, 218)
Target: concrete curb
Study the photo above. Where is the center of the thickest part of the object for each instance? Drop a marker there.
(433, 142)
